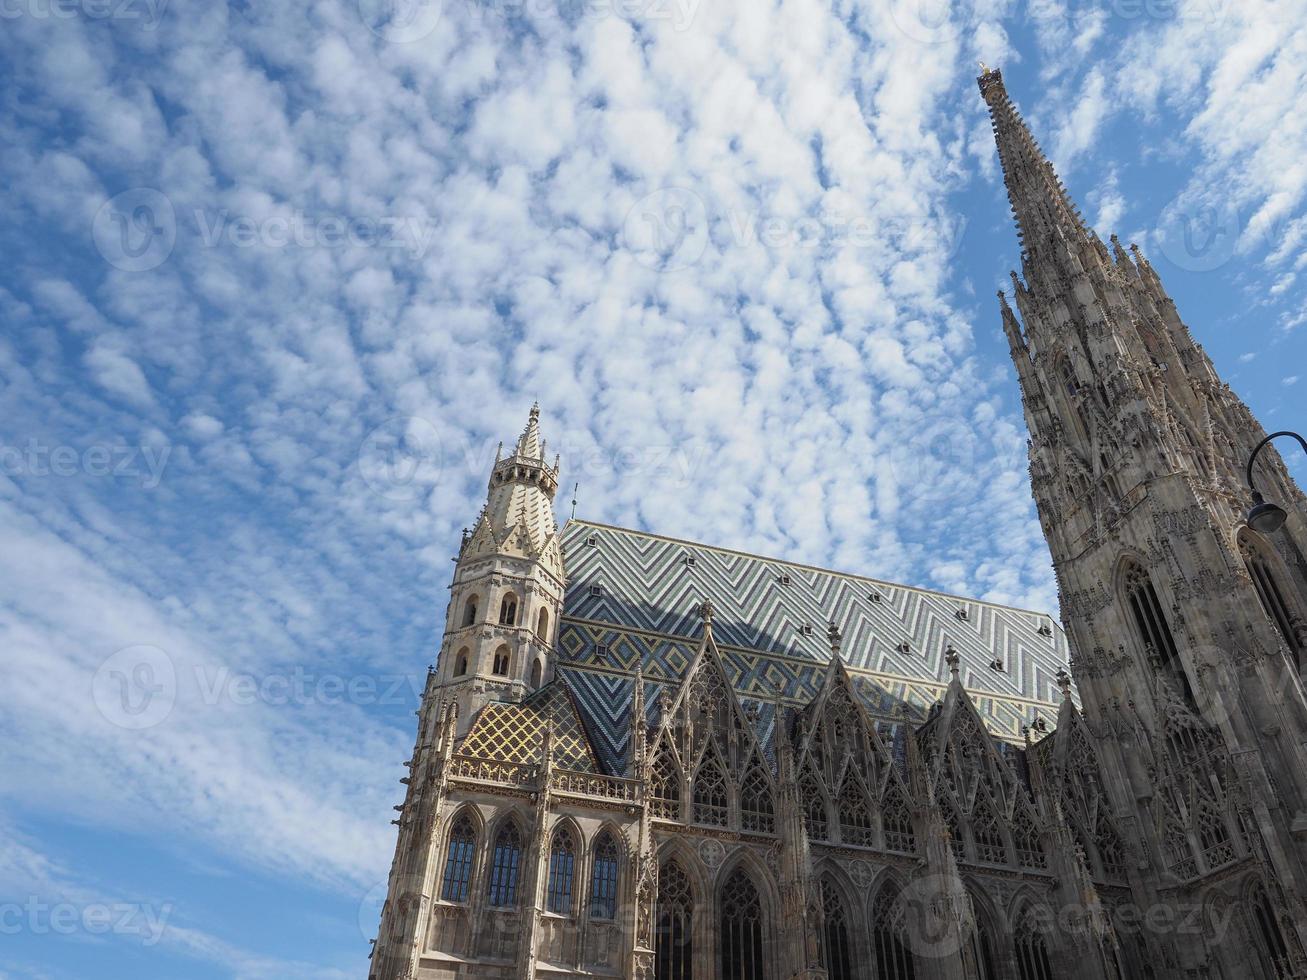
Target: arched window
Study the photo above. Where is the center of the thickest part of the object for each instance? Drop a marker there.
(757, 813)
(1213, 837)
(835, 951)
(460, 663)
(504, 866)
(988, 838)
(982, 947)
(674, 925)
(741, 929)
(1150, 621)
(855, 819)
(899, 835)
(710, 802)
(470, 611)
(537, 673)
(603, 878)
(1030, 853)
(1271, 947)
(814, 808)
(1268, 589)
(665, 793)
(508, 610)
(542, 626)
(1032, 953)
(562, 866)
(955, 839)
(501, 662)
(458, 860)
(894, 959)
(1110, 851)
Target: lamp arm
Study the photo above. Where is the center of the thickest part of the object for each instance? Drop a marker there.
(1263, 444)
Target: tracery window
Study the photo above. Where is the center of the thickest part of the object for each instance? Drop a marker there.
(894, 958)
(1026, 838)
(954, 832)
(982, 948)
(508, 611)
(603, 879)
(1110, 850)
(666, 790)
(501, 662)
(710, 800)
(1271, 946)
(741, 929)
(1032, 953)
(814, 809)
(1150, 621)
(470, 611)
(674, 925)
(1176, 844)
(988, 837)
(505, 866)
(899, 835)
(1213, 837)
(855, 819)
(458, 860)
(460, 664)
(836, 955)
(562, 866)
(757, 813)
(1268, 589)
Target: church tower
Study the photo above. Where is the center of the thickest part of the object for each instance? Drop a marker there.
(1188, 629)
(507, 591)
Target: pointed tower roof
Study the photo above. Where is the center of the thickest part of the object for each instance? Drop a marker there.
(529, 444)
(1043, 210)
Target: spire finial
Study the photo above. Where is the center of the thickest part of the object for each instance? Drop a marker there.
(705, 612)
(535, 410)
(1064, 682)
(833, 634)
(952, 659)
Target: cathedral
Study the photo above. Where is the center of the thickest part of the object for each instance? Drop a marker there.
(649, 758)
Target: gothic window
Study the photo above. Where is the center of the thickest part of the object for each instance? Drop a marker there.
(741, 929)
(899, 835)
(954, 832)
(756, 810)
(855, 820)
(508, 611)
(988, 838)
(460, 664)
(1176, 844)
(814, 809)
(1026, 838)
(1072, 387)
(1110, 850)
(836, 955)
(470, 611)
(666, 789)
(603, 879)
(458, 860)
(1268, 588)
(501, 662)
(1271, 947)
(562, 865)
(982, 948)
(542, 626)
(674, 925)
(894, 958)
(710, 801)
(504, 866)
(1032, 954)
(537, 673)
(1150, 621)
(1213, 837)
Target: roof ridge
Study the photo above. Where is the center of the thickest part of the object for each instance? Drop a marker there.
(582, 522)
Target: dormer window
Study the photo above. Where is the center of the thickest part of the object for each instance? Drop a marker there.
(689, 560)
(876, 597)
(962, 615)
(905, 647)
(996, 664)
(592, 541)
(784, 579)
(596, 591)
(806, 629)
(1045, 629)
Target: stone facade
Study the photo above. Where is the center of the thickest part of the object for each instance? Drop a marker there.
(615, 777)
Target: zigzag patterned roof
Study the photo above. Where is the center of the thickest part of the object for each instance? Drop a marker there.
(632, 596)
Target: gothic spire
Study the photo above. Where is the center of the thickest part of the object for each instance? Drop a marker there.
(1043, 210)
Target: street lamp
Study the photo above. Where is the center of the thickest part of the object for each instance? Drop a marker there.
(1264, 517)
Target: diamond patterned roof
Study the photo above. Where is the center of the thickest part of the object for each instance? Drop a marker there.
(516, 732)
(632, 597)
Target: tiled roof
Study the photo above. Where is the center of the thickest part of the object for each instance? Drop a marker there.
(516, 732)
(632, 597)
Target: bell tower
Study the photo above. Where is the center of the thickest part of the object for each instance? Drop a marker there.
(507, 591)
(1187, 627)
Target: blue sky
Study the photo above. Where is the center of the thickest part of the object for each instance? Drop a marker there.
(744, 255)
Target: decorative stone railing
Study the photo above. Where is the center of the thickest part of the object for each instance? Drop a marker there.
(522, 774)
(595, 784)
(493, 771)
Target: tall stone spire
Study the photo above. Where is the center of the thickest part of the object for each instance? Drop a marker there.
(1043, 210)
